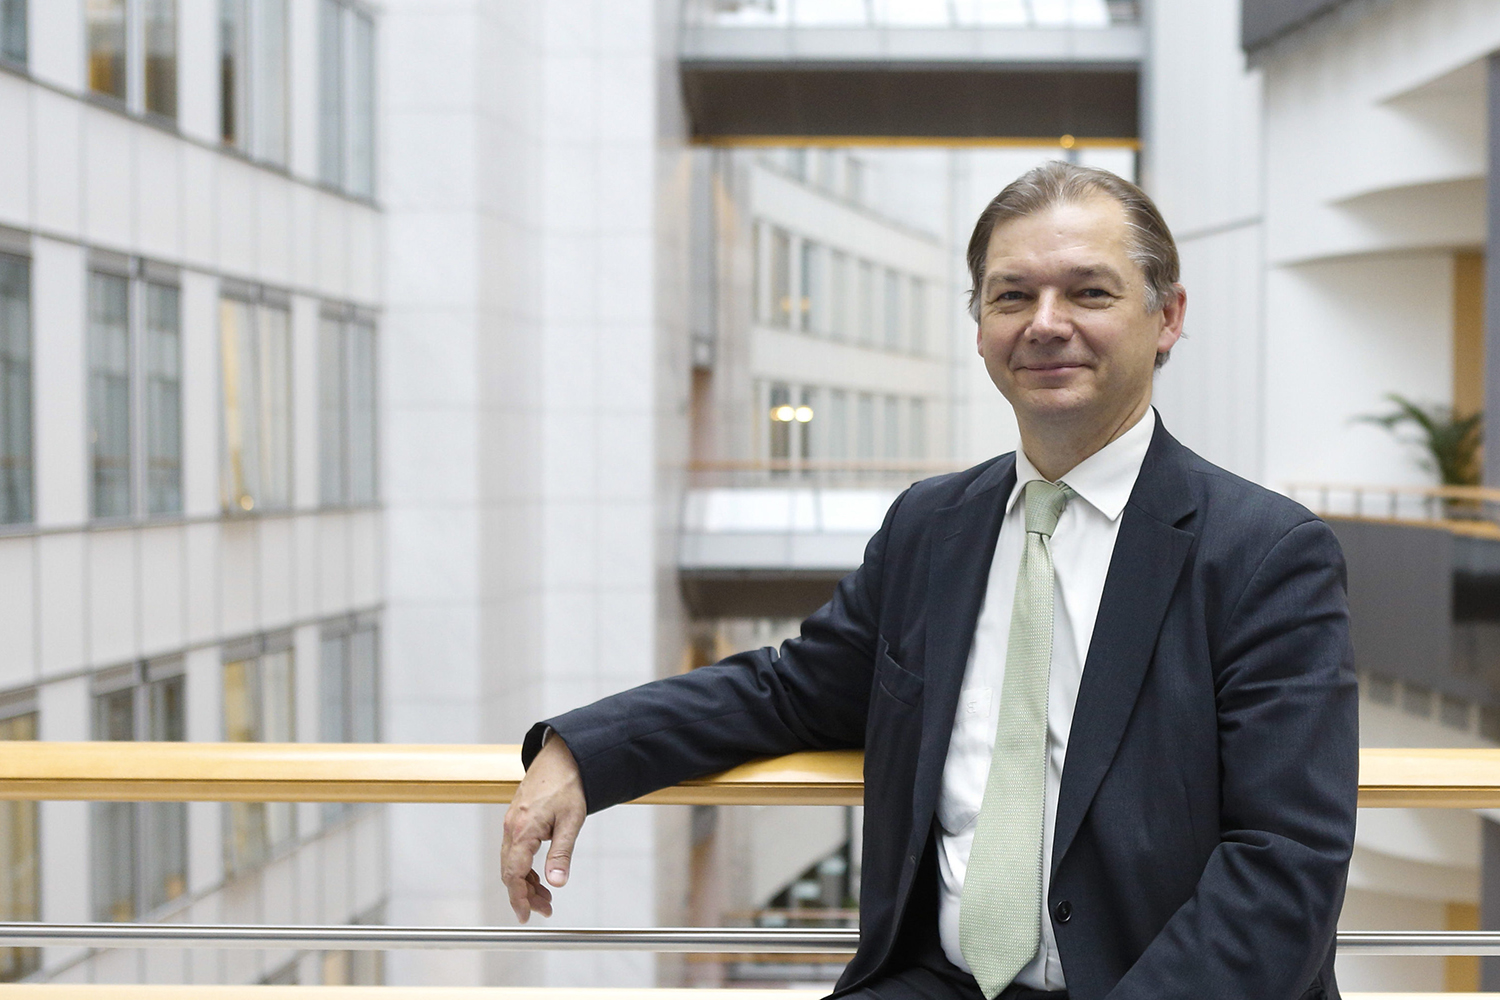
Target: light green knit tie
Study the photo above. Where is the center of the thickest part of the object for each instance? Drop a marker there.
(1000, 912)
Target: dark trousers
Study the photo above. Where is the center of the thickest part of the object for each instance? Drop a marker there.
(919, 969)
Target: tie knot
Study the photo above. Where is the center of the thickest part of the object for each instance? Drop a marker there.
(1044, 505)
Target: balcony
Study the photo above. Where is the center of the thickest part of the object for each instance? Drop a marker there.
(1449, 779)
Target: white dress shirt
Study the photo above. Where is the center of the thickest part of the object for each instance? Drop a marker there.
(1082, 546)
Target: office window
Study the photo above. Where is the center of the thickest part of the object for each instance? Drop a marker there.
(917, 302)
(918, 443)
(807, 411)
(864, 303)
(139, 848)
(892, 311)
(346, 77)
(129, 461)
(106, 41)
(160, 30)
(109, 351)
(836, 425)
(255, 352)
(20, 857)
(781, 278)
(253, 77)
(15, 390)
(891, 438)
(814, 294)
(346, 376)
(838, 296)
(348, 689)
(864, 427)
(13, 31)
(782, 416)
(132, 53)
(259, 707)
(163, 390)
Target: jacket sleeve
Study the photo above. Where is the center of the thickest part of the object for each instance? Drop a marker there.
(1261, 922)
(811, 694)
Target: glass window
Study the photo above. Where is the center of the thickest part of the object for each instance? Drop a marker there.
(252, 73)
(864, 427)
(836, 426)
(918, 311)
(349, 692)
(918, 444)
(892, 430)
(838, 298)
(361, 104)
(332, 411)
(269, 119)
(109, 352)
(330, 92)
(781, 278)
(20, 879)
(361, 421)
(139, 848)
(15, 390)
(13, 31)
(234, 95)
(806, 411)
(256, 384)
(347, 411)
(106, 41)
(346, 75)
(814, 294)
(892, 311)
(259, 705)
(782, 417)
(864, 324)
(161, 57)
(163, 394)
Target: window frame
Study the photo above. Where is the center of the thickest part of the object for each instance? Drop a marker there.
(267, 815)
(8, 57)
(251, 485)
(135, 61)
(340, 328)
(15, 249)
(150, 827)
(141, 434)
(347, 94)
(22, 962)
(259, 108)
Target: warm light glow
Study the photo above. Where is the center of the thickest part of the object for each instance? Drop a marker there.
(783, 414)
(247, 502)
(1067, 142)
(804, 414)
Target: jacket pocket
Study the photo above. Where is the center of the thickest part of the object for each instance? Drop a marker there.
(894, 679)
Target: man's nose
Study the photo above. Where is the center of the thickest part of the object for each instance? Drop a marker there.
(1051, 319)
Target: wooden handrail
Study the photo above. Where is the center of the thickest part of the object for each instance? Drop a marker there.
(72, 991)
(378, 772)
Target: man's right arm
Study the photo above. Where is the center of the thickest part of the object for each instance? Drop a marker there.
(810, 694)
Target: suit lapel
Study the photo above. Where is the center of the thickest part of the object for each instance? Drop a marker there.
(1143, 574)
(964, 537)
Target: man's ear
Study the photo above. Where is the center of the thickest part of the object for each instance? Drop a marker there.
(1173, 313)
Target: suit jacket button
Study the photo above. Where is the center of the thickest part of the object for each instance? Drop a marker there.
(1063, 911)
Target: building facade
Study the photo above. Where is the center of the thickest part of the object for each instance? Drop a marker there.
(190, 529)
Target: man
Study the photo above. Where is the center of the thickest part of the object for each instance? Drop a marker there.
(1104, 688)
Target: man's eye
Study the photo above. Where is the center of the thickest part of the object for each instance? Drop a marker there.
(1011, 295)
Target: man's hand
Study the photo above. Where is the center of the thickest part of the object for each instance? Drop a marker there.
(548, 805)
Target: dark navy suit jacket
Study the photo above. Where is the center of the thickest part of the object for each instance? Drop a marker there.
(1206, 814)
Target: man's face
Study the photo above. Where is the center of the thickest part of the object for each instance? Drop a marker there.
(1063, 325)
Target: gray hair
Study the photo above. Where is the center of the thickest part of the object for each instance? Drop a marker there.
(1057, 182)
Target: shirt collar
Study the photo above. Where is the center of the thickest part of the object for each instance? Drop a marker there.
(1106, 477)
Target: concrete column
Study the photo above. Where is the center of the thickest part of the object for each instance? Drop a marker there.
(1492, 283)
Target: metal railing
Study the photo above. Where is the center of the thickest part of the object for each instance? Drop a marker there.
(837, 473)
(1473, 506)
(99, 771)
